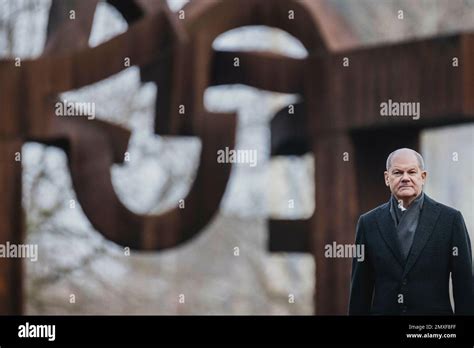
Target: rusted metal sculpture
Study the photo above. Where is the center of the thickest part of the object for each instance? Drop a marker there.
(338, 114)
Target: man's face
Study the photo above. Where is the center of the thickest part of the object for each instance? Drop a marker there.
(404, 177)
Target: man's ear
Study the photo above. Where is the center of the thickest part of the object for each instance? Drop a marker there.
(424, 174)
(385, 174)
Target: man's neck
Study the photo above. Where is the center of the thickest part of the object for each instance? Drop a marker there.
(407, 201)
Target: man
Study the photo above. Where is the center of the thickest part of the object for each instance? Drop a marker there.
(412, 245)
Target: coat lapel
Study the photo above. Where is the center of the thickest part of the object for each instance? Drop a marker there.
(428, 217)
(389, 234)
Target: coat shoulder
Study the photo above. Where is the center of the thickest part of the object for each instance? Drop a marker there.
(444, 209)
(374, 212)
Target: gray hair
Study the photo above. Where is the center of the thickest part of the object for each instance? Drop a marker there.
(419, 158)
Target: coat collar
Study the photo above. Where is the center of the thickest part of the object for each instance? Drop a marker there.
(427, 221)
(426, 224)
(388, 231)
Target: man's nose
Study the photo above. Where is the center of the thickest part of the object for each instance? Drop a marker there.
(405, 177)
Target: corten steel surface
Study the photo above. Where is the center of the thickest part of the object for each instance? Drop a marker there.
(338, 113)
